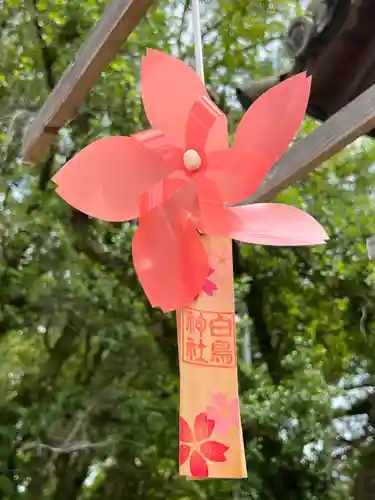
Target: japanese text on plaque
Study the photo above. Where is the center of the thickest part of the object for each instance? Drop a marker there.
(208, 338)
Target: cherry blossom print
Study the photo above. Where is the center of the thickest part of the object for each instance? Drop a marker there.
(197, 448)
(225, 412)
(223, 259)
(209, 288)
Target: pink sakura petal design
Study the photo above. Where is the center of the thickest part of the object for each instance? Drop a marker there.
(169, 257)
(224, 259)
(203, 427)
(186, 435)
(209, 288)
(273, 120)
(184, 453)
(275, 224)
(198, 465)
(221, 423)
(214, 451)
(234, 414)
(221, 401)
(103, 180)
(170, 89)
(225, 413)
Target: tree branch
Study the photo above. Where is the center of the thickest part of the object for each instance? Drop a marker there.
(48, 60)
(47, 57)
(183, 19)
(79, 446)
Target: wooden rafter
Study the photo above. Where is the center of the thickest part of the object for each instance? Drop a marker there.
(119, 19)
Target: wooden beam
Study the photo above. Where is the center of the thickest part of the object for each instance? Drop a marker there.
(352, 121)
(102, 45)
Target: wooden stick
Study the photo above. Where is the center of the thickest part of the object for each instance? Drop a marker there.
(371, 247)
(352, 121)
(119, 19)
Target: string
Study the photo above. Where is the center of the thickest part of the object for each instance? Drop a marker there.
(197, 39)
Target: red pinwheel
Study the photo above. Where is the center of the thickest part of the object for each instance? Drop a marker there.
(180, 176)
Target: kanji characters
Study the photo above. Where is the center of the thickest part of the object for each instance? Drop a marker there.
(208, 338)
(222, 325)
(221, 352)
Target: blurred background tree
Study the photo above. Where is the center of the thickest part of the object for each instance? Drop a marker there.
(89, 374)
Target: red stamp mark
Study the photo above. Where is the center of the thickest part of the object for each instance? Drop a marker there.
(208, 338)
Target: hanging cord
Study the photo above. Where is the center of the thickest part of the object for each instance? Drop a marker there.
(197, 39)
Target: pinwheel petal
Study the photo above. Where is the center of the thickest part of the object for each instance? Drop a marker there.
(169, 90)
(208, 212)
(274, 224)
(263, 223)
(158, 143)
(236, 173)
(206, 127)
(107, 178)
(169, 257)
(221, 401)
(272, 121)
(174, 193)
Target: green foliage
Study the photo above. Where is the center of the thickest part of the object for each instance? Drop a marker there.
(89, 375)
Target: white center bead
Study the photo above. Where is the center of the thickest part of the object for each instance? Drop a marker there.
(192, 160)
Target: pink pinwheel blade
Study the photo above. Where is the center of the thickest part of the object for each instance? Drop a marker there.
(275, 224)
(208, 210)
(107, 178)
(158, 143)
(169, 257)
(236, 173)
(273, 120)
(206, 127)
(169, 90)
